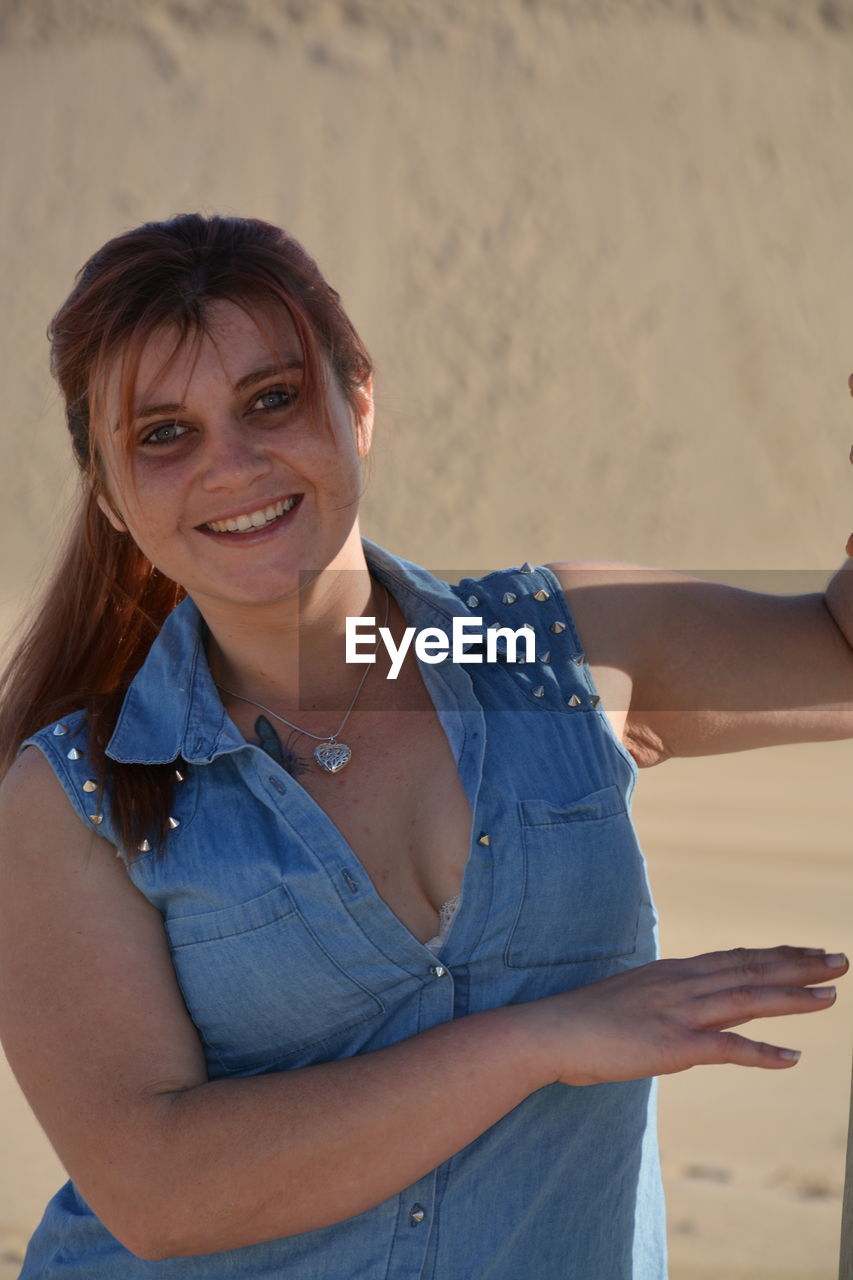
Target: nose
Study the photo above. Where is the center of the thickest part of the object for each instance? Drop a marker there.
(233, 457)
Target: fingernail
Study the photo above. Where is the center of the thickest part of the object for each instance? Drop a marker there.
(790, 1055)
(836, 961)
(822, 993)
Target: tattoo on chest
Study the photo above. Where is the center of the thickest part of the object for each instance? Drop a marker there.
(282, 752)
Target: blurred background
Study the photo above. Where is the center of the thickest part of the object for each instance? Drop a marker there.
(602, 253)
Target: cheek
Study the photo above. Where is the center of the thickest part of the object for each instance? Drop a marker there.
(151, 508)
(342, 459)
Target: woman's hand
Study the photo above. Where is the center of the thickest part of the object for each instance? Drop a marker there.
(674, 1014)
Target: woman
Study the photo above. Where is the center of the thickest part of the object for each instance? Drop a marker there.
(270, 1037)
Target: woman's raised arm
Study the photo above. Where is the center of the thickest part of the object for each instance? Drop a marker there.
(93, 1022)
(704, 668)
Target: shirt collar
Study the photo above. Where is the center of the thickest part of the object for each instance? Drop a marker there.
(172, 707)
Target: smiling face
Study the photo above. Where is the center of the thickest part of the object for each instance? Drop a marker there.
(230, 486)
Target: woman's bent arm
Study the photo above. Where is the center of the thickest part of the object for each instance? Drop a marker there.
(95, 1028)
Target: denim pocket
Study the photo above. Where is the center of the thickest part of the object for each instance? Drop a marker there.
(258, 984)
(584, 882)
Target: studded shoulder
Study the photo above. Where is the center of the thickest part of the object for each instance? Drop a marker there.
(65, 746)
(531, 597)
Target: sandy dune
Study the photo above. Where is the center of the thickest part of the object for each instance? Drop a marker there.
(602, 254)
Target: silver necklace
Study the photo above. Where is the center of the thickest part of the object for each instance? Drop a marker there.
(330, 755)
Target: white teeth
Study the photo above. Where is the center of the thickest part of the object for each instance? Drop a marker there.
(254, 519)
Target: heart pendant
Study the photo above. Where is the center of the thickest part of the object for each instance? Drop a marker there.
(332, 756)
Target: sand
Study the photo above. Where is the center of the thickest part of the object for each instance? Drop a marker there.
(602, 254)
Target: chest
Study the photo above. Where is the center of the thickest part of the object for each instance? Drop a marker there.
(401, 808)
(399, 803)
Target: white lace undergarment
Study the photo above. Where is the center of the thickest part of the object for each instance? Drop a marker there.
(446, 912)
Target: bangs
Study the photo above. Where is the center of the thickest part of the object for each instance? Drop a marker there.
(190, 325)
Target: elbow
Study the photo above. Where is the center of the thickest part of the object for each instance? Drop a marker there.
(151, 1240)
(154, 1251)
(141, 1215)
(156, 1229)
(142, 1231)
(145, 1250)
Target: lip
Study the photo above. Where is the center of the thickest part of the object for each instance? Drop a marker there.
(253, 535)
(257, 505)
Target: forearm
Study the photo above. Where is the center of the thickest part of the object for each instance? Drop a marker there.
(238, 1161)
(839, 597)
(205, 1167)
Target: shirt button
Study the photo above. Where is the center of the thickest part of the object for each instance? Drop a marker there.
(416, 1215)
(437, 970)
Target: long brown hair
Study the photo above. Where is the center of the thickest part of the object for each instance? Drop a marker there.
(106, 602)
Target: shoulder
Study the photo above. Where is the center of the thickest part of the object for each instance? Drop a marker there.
(55, 763)
(49, 859)
(632, 629)
(28, 785)
(42, 839)
(623, 608)
(32, 794)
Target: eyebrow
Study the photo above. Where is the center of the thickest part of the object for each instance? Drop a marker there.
(248, 380)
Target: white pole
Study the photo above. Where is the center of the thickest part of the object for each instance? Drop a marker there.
(845, 1269)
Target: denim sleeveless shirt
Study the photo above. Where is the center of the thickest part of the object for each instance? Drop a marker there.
(286, 955)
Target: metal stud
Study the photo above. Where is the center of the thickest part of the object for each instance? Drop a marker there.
(90, 785)
(437, 970)
(174, 822)
(179, 777)
(494, 626)
(527, 626)
(509, 597)
(558, 628)
(573, 701)
(145, 847)
(74, 754)
(527, 567)
(542, 595)
(578, 659)
(96, 819)
(484, 838)
(472, 602)
(539, 691)
(545, 657)
(594, 700)
(59, 730)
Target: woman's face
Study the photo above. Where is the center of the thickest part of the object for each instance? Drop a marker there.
(230, 488)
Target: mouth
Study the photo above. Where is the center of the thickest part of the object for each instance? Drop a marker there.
(253, 521)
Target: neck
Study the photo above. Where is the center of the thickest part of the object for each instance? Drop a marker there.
(292, 656)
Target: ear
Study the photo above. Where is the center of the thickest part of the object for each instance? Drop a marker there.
(105, 508)
(364, 417)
